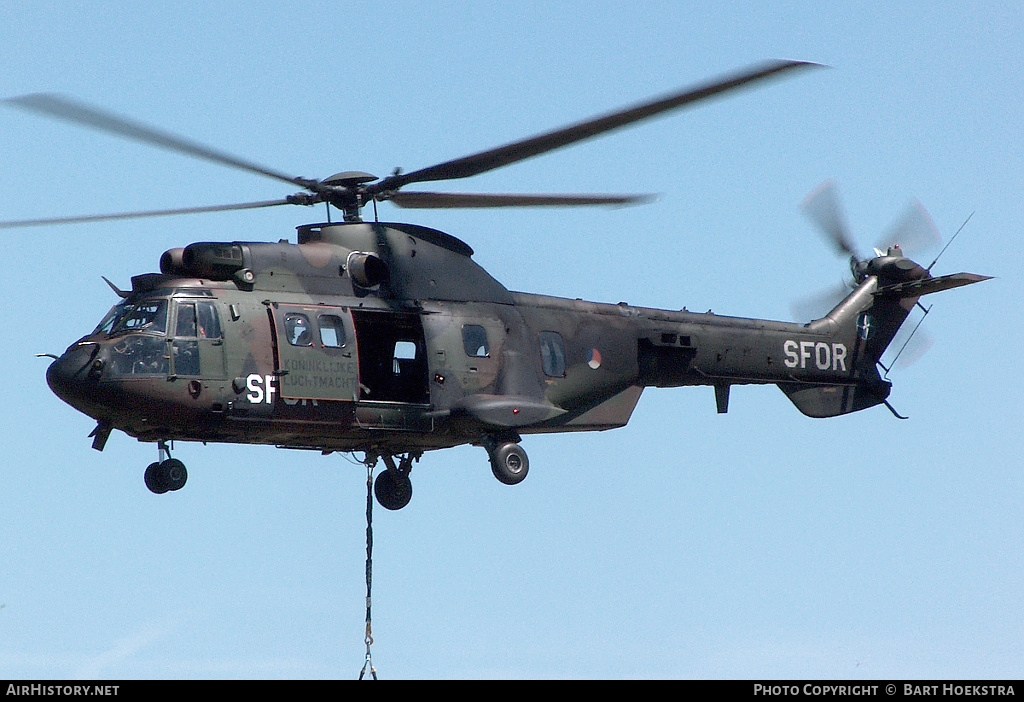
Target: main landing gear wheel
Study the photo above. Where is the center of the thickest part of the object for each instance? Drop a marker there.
(393, 487)
(509, 463)
(393, 491)
(166, 476)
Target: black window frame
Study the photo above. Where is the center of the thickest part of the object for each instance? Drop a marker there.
(339, 331)
(472, 344)
(552, 354)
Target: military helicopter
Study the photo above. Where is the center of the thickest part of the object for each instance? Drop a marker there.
(388, 339)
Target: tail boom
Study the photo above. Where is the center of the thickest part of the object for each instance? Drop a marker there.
(827, 368)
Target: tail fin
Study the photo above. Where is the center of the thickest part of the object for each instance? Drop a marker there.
(866, 322)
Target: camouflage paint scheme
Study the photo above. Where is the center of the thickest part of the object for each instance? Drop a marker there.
(423, 349)
(388, 339)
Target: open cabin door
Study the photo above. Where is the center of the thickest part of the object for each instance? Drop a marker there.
(316, 347)
(392, 357)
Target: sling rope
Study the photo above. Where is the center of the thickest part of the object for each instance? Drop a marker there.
(371, 461)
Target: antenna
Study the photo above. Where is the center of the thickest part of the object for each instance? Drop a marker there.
(929, 268)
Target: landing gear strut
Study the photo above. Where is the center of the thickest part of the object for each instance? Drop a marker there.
(393, 487)
(167, 474)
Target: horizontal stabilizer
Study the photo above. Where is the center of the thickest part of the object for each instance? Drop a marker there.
(926, 286)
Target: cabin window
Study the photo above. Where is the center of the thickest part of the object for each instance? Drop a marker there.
(405, 356)
(332, 331)
(474, 341)
(552, 354)
(297, 329)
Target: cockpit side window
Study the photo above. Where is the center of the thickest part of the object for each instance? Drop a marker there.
(186, 325)
(209, 322)
(198, 320)
(136, 355)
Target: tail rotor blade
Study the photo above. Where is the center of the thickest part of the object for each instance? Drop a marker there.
(816, 306)
(909, 345)
(823, 208)
(915, 232)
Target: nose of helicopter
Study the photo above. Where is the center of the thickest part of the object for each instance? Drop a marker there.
(72, 375)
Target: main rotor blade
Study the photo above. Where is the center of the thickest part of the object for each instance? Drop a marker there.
(64, 108)
(527, 148)
(139, 215)
(823, 208)
(428, 200)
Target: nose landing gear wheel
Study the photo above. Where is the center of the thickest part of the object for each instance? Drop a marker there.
(175, 474)
(154, 479)
(165, 475)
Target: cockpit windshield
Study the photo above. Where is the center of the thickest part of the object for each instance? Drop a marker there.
(148, 315)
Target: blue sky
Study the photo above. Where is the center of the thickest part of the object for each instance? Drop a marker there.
(756, 544)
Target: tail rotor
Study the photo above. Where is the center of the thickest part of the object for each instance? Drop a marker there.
(913, 234)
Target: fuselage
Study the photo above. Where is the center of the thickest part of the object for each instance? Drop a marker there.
(280, 344)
